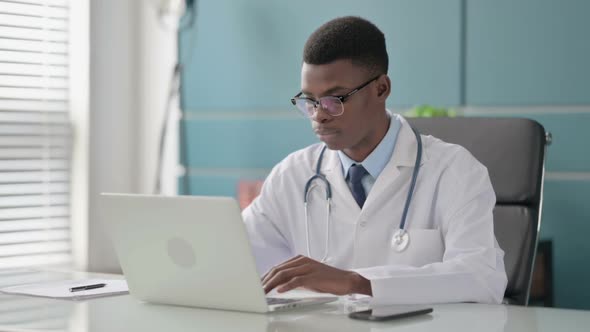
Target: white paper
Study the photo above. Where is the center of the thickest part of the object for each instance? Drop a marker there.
(61, 289)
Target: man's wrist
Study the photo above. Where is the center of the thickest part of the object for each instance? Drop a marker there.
(360, 284)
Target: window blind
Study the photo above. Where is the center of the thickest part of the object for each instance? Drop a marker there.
(35, 134)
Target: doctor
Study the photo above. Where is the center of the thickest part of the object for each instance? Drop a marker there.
(331, 220)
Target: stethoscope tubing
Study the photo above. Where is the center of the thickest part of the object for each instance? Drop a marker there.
(328, 189)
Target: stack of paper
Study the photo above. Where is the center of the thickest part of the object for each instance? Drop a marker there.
(71, 289)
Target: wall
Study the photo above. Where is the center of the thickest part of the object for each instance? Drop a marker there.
(113, 105)
(503, 58)
(130, 65)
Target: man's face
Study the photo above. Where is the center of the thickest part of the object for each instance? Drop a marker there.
(354, 129)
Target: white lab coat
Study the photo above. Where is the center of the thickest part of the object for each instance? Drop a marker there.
(453, 255)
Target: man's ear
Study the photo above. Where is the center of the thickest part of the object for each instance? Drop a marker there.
(383, 86)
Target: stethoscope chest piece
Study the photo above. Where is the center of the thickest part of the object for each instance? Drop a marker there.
(400, 240)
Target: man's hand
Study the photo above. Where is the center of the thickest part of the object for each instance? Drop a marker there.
(301, 271)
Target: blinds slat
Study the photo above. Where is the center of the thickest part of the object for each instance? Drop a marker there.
(33, 10)
(34, 177)
(34, 212)
(33, 224)
(33, 82)
(34, 236)
(26, 69)
(34, 94)
(34, 248)
(33, 188)
(33, 34)
(35, 142)
(33, 22)
(34, 130)
(34, 153)
(52, 117)
(33, 200)
(52, 164)
(33, 46)
(35, 260)
(33, 105)
(27, 57)
(59, 3)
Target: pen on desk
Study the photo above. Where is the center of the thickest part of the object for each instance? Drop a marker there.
(86, 287)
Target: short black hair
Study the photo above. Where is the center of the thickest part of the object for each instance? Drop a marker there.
(348, 37)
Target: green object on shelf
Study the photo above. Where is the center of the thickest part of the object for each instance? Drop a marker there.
(427, 111)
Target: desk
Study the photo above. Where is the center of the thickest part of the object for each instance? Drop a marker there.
(124, 313)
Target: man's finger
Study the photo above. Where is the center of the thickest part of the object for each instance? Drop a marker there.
(270, 271)
(286, 275)
(299, 281)
(293, 262)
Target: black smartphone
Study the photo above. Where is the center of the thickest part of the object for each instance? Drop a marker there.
(390, 312)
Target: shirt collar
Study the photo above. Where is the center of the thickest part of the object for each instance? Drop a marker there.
(380, 156)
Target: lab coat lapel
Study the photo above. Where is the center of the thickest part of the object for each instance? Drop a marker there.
(404, 155)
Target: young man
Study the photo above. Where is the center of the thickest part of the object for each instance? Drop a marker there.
(449, 252)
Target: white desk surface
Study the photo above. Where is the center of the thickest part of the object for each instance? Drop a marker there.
(125, 313)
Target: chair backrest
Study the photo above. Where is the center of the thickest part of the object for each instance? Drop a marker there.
(513, 150)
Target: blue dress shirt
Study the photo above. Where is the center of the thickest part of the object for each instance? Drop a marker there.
(376, 160)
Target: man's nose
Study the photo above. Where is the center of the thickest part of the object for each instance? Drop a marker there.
(320, 115)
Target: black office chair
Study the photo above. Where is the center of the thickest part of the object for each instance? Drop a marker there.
(513, 150)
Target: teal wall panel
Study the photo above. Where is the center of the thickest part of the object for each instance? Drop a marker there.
(527, 52)
(566, 221)
(215, 185)
(246, 54)
(246, 142)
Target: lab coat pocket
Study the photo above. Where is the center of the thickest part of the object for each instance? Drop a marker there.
(425, 246)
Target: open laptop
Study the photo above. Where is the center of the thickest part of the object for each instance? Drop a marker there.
(189, 251)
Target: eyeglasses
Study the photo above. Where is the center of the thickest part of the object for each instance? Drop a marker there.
(333, 105)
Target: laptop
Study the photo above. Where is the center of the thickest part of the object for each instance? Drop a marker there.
(189, 251)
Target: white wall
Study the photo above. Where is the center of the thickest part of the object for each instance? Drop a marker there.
(79, 73)
(130, 60)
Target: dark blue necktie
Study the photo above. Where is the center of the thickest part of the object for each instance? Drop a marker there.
(356, 174)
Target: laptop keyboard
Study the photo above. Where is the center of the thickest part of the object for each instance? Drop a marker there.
(278, 300)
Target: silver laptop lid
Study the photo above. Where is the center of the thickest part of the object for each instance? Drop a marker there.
(184, 250)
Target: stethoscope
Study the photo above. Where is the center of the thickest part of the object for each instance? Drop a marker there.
(400, 239)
